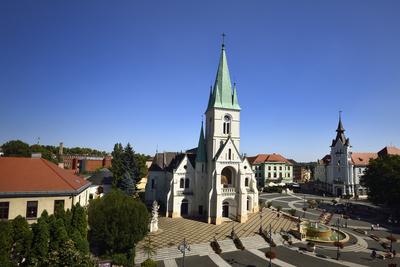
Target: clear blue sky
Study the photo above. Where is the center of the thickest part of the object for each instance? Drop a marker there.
(93, 73)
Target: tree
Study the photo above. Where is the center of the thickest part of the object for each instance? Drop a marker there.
(22, 240)
(127, 184)
(16, 148)
(130, 162)
(79, 220)
(382, 178)
(116, 222)
(6, 242)
(40, 244)
(149, 247)
(142, 167)
(117, 163)
(46, 153)
(58, 233)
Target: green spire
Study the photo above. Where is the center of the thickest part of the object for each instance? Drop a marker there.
(235, 101)
(222, 96)
(201, 148)
(210, 99)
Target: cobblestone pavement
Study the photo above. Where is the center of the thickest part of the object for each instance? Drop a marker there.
(173, 231)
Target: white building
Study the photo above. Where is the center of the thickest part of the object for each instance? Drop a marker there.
(271, 169)
(340, 172)
(212, 181)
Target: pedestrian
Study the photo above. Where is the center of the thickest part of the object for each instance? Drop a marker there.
(394, 253)
(373, 254)
(372, 227)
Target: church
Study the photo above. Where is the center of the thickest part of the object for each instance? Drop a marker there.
(212, 182)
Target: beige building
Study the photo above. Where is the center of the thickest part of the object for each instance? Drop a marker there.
(271, 169)
(28, 186)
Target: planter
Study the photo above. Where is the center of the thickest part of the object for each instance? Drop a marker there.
(216, 247)
(238, 243)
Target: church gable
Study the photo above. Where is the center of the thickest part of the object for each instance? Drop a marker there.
(184, 166)
(228, 152)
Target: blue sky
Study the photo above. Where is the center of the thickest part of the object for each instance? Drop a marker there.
(93, 73)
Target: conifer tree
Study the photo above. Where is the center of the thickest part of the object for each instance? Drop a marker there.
(117, 163)
(22, 240)
(40, 244)
(127, 184)
(79, 220)
(6, 242)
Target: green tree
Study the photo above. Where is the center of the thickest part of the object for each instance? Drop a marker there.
(22, 240)
(117, 163)
(6, 242)
(141, 164)
(127, 184)
(116, 222)
(382, 178)
(46, 153)
(79, 220)
(16, 148)
(40, 244)
(130, 164)
(58, 233)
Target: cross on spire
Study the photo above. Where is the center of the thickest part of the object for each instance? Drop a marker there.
(223, 39)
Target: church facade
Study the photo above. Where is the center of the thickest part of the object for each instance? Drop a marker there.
(213, 181)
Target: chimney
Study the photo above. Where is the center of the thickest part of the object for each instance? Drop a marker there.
(60, 149)
(36, 155)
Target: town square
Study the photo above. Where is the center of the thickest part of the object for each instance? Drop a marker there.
(199, 133)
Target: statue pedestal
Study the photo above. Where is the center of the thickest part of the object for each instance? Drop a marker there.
(153, 226)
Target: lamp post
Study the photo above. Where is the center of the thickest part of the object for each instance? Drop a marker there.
(261, 216)
(182, 248)
(338, 227)
(304, 206)
(270, 246)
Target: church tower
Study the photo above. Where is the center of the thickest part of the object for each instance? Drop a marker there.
(340, 166)
(223, 111)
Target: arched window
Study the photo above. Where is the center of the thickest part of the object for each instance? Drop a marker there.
(227, 124)
(182, 183)
(226, 177)
(246, 182)
(187, 183)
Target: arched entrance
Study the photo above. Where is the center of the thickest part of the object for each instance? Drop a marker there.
(227, 177)
(225, 209)
(184, 207)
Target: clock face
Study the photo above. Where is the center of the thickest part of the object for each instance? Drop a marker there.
(227, 118)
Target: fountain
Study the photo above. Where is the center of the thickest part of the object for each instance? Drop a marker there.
(317, 232)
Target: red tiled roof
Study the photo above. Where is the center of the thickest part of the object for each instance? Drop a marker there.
(389, 150)
(260, 158)
(37, 175)
(362, 159)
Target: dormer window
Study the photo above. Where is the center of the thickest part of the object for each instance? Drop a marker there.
(227, 124)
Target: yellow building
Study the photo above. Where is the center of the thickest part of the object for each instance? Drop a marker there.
(28, 186)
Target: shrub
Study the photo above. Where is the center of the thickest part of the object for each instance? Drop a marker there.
(119, 259)
(148, 263)
(117, 222)
(278, 208)
(292, 212)
(338, 244)
(215, 246)
(312, 203)
(238, 243)
(269, 204)
(270, 254)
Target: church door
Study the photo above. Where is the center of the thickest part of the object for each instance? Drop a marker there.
(339, 191)
(184, 208)
(225, 209)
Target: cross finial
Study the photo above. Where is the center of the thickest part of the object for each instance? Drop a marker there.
(340, 114)
(223, 39)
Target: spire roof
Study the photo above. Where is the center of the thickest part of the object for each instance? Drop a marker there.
(201, 148)
(222, 95)
(340, 133)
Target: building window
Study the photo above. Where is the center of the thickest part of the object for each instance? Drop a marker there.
(359, 170)
(280, 168)
(200, 210)
(269, 175)
(31, 209)
(182, 183)
(280, 175)
(153, 184)
(269, 168)
(274, 168)
(187, 183)
(246, 182)
(59, 204)
(4, 208)
(229, 153)
(274, 174)
(227, 124)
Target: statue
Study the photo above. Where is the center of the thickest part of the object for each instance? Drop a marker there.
(154, 217)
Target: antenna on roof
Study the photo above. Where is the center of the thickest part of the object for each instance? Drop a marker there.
(38, 140)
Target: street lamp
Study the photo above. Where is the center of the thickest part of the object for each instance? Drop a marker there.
(338, 227)
(261, 216)
(270, 245)
(182, 248)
